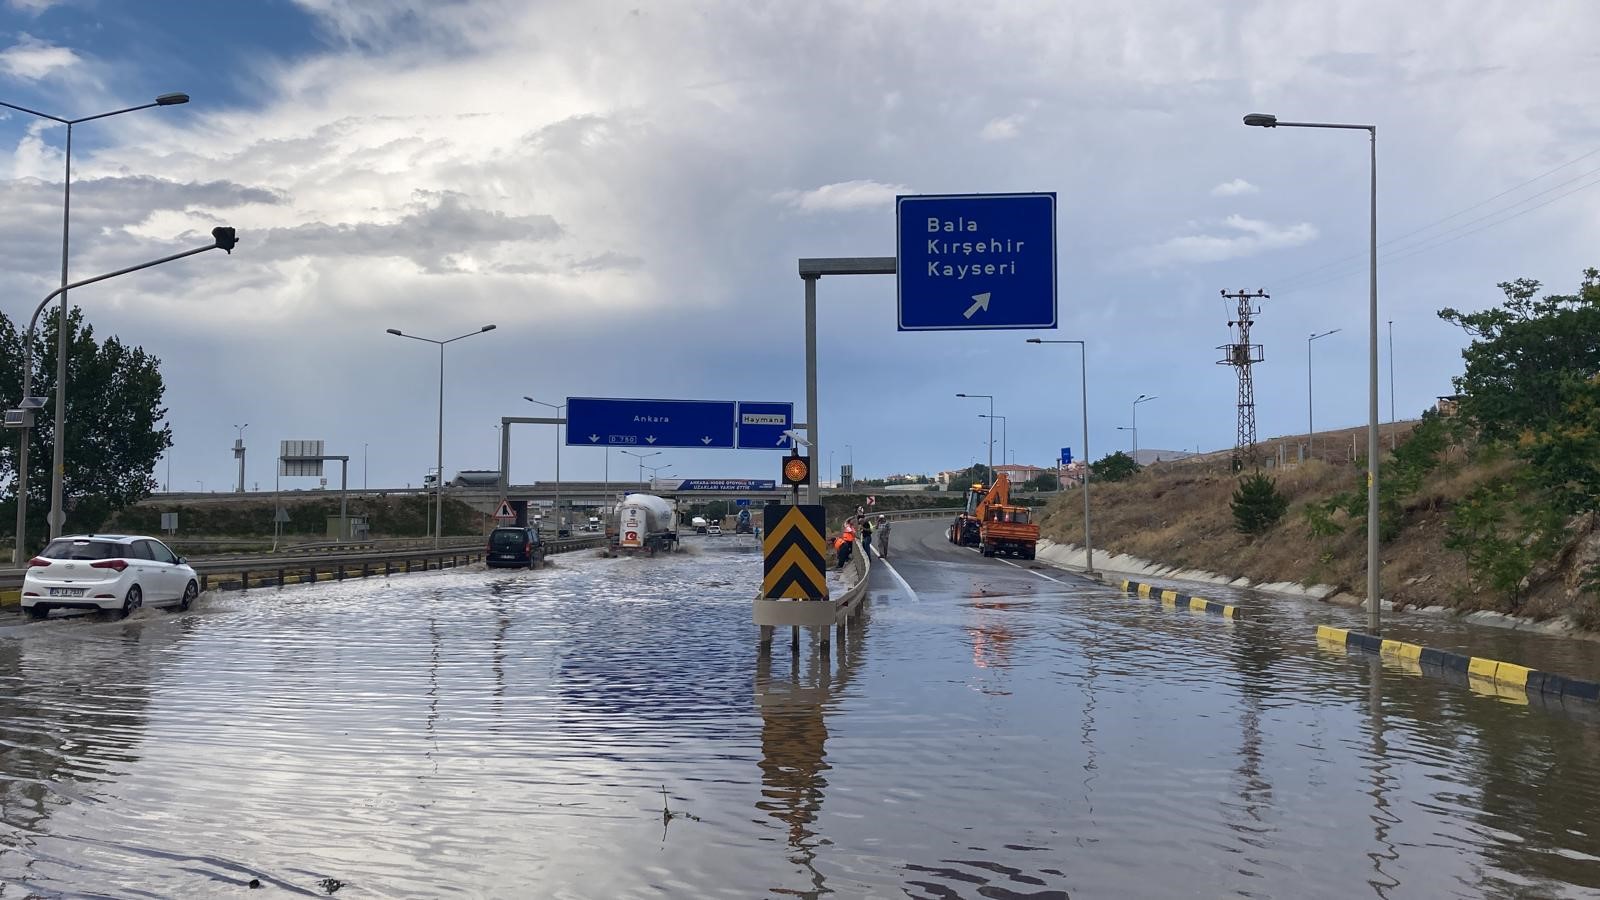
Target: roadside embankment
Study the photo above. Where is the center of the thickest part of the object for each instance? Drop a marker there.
(1175, 521)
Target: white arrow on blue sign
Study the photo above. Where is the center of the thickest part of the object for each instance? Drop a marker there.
(976, 261)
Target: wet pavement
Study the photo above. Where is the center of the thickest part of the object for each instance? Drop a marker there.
(607, 728)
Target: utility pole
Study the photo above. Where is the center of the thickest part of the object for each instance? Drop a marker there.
(1241, 354)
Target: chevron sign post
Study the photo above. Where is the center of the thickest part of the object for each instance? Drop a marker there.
(795, 553)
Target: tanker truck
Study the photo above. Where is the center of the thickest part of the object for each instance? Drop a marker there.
(645, 524)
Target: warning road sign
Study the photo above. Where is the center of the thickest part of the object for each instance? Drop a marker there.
(795, 553)
(504, 512)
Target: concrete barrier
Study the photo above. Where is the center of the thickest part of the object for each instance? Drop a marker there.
(822, 615)
(1176, 600)
(1520, 680)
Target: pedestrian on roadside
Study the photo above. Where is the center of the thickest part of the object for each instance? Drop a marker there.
(883, 536)
(865, 530)
(846, 543)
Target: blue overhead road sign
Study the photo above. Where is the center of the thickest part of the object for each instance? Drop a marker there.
(976, 261)
(601, 422)
(762, 425)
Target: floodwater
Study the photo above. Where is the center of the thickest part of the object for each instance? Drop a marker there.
(608, 728)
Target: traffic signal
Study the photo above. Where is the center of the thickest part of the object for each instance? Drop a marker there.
(796, 471)
(225, 237)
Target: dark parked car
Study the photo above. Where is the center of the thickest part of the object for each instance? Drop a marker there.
(513, 547)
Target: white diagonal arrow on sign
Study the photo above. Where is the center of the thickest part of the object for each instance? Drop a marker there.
(979, 301)
(783, 440)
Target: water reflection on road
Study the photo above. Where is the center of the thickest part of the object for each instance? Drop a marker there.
(608, 728)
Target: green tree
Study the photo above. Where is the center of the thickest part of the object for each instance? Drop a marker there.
(115, 433)
(1046, 481)
(716, 510)
(1525, 353)
(1257, 505)
(1116, 466)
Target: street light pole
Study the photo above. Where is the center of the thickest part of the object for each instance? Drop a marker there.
(1374, 593)
(641, 457)
(558, 410)
(1083, 357)
(438, 479)
(1311, 422)
(1142, 398)
(238, 452)
(57, 514)
(990, 398)
(1003, 441)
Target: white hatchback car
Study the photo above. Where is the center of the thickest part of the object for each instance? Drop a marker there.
(106, 571)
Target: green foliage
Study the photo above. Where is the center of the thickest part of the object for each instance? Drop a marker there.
(1319, 518)
(114, 417)
(1524, 355)
(1257, 505)
(1116, 466)
(1503, 532)
(1046, 481)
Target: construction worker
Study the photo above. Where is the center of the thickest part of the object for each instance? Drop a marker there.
(865, 530)
(845, 543)
(883, 536)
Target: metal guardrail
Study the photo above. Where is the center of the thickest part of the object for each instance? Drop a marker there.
(334, 566)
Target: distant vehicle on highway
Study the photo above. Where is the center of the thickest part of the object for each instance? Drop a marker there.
(512, 546)
(714, 528)
(106, 571)
(700, 524)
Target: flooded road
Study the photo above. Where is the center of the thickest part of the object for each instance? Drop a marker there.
(607, 728)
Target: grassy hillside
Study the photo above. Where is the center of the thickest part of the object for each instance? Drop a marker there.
(1180, 514)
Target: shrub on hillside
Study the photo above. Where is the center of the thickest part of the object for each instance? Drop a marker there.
(1117, 466)
(1257, 505)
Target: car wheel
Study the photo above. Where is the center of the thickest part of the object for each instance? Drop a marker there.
(38, 611)
(190, 592)
(133, 601)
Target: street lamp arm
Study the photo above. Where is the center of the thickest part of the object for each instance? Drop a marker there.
(87, 281)
(35, 112)
(118, 112)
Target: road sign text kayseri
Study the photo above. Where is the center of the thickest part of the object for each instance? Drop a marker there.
(976, 261)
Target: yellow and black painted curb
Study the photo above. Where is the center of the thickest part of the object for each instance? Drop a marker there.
(1473, 668)
(1177, 600)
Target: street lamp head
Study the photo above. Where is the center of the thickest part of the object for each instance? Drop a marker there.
(486, 328)
(172, 99)
(396, 332)
(1035, 341)
(1261, 120)
(961, 395)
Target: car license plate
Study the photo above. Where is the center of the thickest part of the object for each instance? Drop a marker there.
(505, 556)
(67, 592)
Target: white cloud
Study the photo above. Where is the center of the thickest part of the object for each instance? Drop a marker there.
(32, 59)
(1002, 129)
(1234, 188)
(842, 196)
(1240, 237)
(32, 7)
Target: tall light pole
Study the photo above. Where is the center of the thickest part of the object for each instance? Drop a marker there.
(641, 457)
(1263, 120)
(558, 410)
(57, 464)
(238, 453)
(1083, 357)
(990, 398)
(1311, 422)
(223, 238)
(1142, 398)
(1003, 441)
(438, 480)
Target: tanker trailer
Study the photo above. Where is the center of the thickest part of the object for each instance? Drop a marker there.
(645, 523)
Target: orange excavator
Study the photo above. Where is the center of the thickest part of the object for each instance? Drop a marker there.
(992, 524)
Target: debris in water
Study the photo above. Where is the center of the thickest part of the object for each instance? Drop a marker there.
(330, 884)
(255, 883)
(667, 815)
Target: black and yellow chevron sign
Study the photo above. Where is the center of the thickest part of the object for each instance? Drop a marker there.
(796, 553)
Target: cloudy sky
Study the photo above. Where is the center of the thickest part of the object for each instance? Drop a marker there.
(624, 190)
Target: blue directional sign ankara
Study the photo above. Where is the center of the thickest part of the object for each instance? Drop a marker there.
(762, 425)
(976, 261)
(633, 423)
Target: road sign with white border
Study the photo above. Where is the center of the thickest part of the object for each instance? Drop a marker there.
(764, 426)
(975, 261)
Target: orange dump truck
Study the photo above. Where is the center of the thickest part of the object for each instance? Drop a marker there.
(992, 524)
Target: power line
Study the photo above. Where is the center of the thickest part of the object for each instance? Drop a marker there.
(1288, 279)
